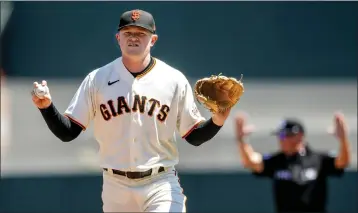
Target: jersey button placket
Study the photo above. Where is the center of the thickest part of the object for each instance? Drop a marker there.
(134, 132)
(130, 145)
(134, 150)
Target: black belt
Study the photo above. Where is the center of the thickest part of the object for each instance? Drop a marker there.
(135, 175)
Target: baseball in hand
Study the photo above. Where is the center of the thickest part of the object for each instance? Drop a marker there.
(41, 91)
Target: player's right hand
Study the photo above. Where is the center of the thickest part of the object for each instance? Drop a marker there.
(341, 129)
(241, 128)
(41, 103)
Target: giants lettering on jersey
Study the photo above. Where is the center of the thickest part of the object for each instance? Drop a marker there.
(112, 109)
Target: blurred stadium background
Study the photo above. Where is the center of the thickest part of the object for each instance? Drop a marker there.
(298, 59)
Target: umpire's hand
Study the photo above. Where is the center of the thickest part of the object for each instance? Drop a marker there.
(241, 126)
(341, 129)
(41, 103)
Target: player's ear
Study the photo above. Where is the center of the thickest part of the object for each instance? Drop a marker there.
(117, 36)
(154, 39)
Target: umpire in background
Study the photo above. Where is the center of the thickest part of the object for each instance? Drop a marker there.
(299, 173)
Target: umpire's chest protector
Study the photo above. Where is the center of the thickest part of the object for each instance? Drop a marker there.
(301, 169)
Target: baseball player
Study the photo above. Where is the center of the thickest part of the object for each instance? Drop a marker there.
(136, 102)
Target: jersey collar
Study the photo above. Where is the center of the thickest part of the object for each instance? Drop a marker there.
(124, 71)
(147, 69)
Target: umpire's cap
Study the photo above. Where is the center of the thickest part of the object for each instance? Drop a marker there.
(289, 127)
(137, 18)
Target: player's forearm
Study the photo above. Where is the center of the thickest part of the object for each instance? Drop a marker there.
(245, 151)
(343, 158)
(249, 158)
(203, 133)
(60, 125)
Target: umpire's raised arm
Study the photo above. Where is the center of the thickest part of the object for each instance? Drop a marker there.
(249, 158)
(335, 165)
(341, 132)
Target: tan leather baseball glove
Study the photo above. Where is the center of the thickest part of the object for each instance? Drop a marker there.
(218, 93)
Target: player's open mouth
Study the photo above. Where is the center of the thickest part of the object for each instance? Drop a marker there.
(133, 45)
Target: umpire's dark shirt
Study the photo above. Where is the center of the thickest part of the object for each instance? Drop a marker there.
(300, 181)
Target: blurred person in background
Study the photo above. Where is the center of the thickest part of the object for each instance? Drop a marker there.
(299, 173)
(6, 11)
(5, 117)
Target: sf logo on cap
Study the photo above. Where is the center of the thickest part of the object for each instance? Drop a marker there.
(135, 15)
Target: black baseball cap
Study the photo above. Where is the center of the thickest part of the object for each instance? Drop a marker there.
(139, 18)
(289, 127)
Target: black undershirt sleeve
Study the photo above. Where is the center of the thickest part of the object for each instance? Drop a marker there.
(203, 133)
(60, 125)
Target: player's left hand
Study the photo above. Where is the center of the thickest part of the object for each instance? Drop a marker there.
(341, 131)
(220, 117)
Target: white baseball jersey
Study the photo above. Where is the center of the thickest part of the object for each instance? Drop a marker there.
(135, 118)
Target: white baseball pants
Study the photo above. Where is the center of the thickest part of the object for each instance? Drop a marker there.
(159, 193)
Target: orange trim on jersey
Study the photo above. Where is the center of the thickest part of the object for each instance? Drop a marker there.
(195, 125)
(76, 122)
(148, 69)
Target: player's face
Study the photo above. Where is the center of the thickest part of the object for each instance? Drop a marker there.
(135, 41)
(289, 144)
